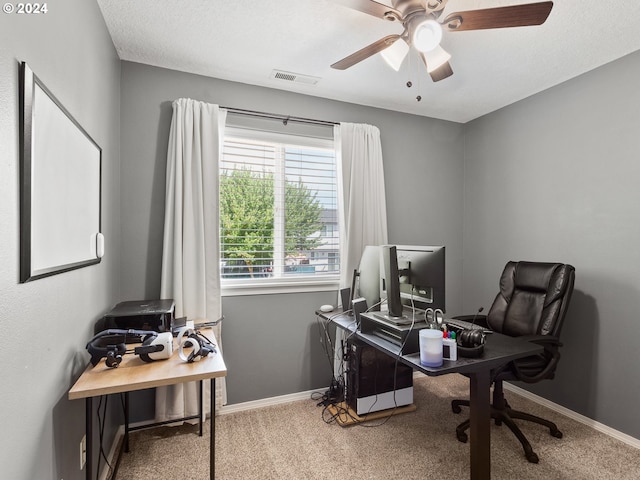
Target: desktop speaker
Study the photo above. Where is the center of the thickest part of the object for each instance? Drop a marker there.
(359, 306)
(345, 299)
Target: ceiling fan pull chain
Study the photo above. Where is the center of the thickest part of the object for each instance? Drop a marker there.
(419, 97)
(409, 83)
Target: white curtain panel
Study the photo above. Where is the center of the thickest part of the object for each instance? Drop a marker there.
(363, 203)
(191, 248)
(361, 187)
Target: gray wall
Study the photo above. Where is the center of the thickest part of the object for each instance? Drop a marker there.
(555, 178)
(423, 171)
(46, 323)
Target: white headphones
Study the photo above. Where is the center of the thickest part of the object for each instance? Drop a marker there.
(201, 346)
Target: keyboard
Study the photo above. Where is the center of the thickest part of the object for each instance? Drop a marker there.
(463, 325)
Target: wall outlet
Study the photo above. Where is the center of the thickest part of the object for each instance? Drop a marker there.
(83, 452)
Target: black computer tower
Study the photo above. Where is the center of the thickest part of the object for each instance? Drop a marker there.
(371, 378)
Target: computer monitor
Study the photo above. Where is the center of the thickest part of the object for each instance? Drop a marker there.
(413, 276)
(368, 277)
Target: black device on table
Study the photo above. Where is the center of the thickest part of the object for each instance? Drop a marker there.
(155, 315)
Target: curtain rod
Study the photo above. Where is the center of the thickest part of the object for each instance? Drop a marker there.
(275, 116)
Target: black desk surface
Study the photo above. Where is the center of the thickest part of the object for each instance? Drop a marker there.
(499, 349)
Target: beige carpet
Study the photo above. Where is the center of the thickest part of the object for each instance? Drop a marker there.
(292, 441)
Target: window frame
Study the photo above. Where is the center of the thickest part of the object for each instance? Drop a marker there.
(299, 283)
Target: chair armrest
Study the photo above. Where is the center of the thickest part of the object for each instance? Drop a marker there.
(546, 341)
(550, 354)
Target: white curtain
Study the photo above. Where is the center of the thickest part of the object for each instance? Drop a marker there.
(191, 248)
(363, 202)
(361, 184)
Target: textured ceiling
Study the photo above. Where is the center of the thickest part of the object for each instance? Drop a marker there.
(244, 41)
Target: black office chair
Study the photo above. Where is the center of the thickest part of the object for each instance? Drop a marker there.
(532, 304)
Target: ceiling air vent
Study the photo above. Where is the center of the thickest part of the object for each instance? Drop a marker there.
(294, 77)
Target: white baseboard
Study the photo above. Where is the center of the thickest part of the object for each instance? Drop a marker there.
(623, 437)
(265, 402)
(292, 397)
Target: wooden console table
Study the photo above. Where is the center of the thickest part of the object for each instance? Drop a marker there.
(134, 374)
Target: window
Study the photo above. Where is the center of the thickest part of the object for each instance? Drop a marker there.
(278, 209)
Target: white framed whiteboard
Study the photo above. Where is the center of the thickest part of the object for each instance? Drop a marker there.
(60, 208)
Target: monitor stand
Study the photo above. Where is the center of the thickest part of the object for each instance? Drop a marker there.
(407, 317)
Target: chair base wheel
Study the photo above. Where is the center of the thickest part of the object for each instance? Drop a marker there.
(556, 433)
(532, 457)
(462, 437)
(456, 404)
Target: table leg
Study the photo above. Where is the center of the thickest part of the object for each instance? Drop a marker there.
(212, 438)
(89, 433)
(200, 404)
(480, 423)
(126, 422)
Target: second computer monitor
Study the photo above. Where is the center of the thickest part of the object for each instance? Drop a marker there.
(420, 276)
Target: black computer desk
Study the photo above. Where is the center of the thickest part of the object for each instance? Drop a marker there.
(499, 350)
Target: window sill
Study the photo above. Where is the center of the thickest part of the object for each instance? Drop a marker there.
(276, 287)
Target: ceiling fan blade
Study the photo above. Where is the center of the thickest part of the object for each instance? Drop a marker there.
(366, 52)
(372, 8)
(500, 17)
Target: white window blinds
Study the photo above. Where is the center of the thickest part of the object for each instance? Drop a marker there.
(278, 207)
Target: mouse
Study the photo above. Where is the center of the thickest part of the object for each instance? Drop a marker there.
(326, 308)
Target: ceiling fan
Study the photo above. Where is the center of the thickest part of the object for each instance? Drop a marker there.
(423, 29)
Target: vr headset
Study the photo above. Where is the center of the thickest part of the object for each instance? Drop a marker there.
(200, 345)
(111, 345)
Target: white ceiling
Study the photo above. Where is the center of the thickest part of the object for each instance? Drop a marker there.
(244, 41)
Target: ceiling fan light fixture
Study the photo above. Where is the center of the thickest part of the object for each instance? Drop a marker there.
(436, 58)
(427, 35)
(395, 54)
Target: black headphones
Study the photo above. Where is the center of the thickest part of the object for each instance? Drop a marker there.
(201, 345)
(471, 343)
(111, 345)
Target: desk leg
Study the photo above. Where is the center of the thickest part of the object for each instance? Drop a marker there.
(212, 439)
(89, 432)
(480, 422)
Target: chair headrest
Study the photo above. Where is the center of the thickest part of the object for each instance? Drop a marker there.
(549, 278)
